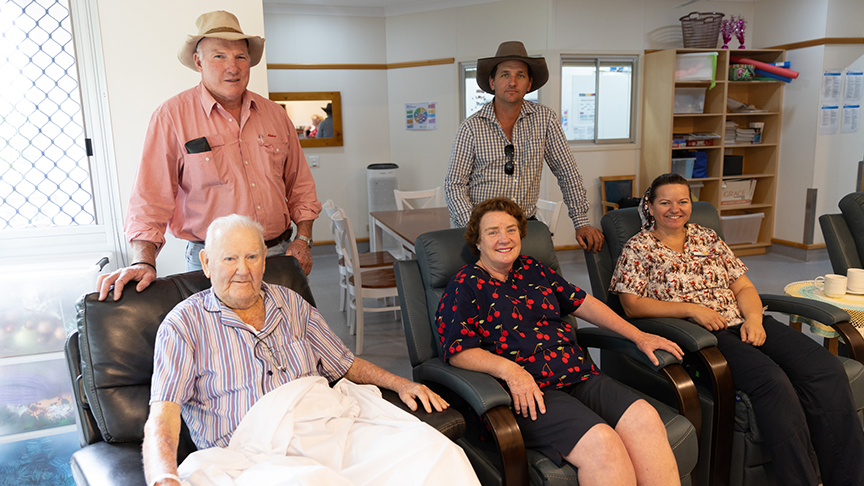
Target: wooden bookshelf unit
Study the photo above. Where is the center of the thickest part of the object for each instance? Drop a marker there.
(759, 160)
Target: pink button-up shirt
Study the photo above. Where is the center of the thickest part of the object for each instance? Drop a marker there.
(255, 168)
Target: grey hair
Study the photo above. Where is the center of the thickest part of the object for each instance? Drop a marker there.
(230, 222)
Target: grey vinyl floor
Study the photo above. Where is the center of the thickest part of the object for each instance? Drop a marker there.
(384, 341)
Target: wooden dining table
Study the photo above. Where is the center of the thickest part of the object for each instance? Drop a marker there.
(406, 225)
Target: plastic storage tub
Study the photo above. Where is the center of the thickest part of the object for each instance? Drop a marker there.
(689, 100)
(683, 166)
(697, 66)
(696, 189)
(741, 228)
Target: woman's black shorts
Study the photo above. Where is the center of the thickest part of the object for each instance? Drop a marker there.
(572, 411)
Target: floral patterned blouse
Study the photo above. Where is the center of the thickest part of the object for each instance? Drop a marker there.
(702, 274)
(519, 319)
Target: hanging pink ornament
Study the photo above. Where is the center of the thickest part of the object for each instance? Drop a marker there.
(740, 25)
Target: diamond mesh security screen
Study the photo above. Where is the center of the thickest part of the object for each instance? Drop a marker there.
(44, 176)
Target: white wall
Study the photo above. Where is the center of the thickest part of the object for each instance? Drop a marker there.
(548, 28)
(142, 71)
(808, 159)
(314, 39)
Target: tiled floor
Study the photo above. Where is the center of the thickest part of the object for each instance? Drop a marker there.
(385, 340)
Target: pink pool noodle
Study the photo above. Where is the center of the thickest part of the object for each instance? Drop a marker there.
(765, 67)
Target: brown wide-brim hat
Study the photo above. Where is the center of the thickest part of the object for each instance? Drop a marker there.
(512, 51)
(222, 25)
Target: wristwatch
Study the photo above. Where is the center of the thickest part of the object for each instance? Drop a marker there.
(304, 238)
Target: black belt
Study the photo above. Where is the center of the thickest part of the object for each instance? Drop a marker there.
(269, 243)
(279, 239)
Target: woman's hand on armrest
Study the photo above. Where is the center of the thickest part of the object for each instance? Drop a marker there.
(599, 314)
(526, 395)
(648, 343)
(636, 307)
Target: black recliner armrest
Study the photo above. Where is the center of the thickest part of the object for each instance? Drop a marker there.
(812, 309)
(594, 337)
(823, 312)
(103, 464)
(689, 336)
(480, 390)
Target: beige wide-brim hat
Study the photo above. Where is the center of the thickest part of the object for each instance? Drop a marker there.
(512, 51)
(222, 25)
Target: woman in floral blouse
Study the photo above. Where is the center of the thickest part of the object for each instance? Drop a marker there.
(799, 391)
(502, 316)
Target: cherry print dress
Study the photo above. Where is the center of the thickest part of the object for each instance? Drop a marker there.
(519, 319)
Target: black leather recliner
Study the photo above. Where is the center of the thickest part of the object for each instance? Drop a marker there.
(731, 449)
(421, 283)
(844, 233)
(110, 359)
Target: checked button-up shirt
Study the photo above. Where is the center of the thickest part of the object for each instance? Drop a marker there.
(476, 170)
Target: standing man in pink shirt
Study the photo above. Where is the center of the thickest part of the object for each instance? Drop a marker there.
(215, 150)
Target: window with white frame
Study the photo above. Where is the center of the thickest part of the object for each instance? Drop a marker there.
(56, 199)
(44, 172)
(471, 97)
(598, 98)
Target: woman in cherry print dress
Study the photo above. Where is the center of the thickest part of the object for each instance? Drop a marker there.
(502, 316)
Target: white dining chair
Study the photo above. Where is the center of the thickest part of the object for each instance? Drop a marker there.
(548, 212)
(430, 198)
(368, 261)
(371, 284)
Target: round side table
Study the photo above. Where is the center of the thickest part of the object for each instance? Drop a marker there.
(851, 303)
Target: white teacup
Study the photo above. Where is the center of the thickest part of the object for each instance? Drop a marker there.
(832, 285)
(855, 280)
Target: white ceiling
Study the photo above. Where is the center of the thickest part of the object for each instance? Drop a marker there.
(363, 8)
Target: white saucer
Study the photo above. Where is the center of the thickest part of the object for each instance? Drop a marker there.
(853, 292)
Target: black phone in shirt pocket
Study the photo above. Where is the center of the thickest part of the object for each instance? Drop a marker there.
(197, 146)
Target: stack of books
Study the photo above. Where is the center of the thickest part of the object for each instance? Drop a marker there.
(744, 136)
(729, 133)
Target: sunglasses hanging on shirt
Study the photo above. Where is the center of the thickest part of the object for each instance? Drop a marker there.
(270, 355)
(508, 165)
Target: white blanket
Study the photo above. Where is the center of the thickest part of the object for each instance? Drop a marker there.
(306, 433)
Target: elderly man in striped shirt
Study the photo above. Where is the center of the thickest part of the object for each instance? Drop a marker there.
(499, 150)
(221, 350)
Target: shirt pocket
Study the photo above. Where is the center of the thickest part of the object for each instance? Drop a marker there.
(533, 143)
(299, 359)
(275, 152)
(206, 169)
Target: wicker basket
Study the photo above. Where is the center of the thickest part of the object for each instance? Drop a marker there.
(701, 29)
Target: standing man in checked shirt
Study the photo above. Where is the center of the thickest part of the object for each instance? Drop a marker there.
(499, 150)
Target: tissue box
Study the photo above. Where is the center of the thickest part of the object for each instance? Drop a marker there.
(741, 72)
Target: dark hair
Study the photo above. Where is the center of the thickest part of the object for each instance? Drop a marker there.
(665, 180)
(502, 204)
(651, 195)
